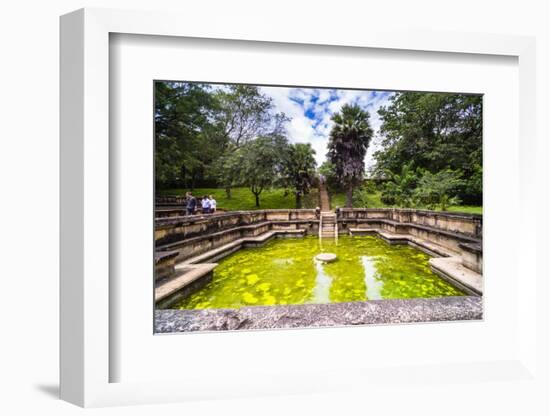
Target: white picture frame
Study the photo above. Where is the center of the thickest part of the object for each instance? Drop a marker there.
(86, 356)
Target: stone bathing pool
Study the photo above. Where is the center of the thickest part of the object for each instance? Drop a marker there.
(284, 272)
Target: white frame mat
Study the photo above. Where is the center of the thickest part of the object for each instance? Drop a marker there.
(85, 354)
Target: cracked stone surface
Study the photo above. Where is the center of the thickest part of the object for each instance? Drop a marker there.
(388, 311)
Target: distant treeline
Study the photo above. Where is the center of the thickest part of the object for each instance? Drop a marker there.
(226, 136)
(231, 135)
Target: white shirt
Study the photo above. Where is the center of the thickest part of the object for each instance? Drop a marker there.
(213, 203)
(205, 203)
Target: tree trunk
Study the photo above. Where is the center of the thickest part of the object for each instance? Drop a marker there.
(257, 200)
(228, 192)
(349, 196)
(298, 200)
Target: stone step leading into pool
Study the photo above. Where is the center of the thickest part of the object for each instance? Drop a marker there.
(328, 227)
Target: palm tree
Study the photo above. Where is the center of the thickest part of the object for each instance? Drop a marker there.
(348, 143)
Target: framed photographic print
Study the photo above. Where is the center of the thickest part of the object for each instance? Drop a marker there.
(280, 214)
(313, 202)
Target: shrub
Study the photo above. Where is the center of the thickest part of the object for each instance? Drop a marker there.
(438, 189)
(399, 189)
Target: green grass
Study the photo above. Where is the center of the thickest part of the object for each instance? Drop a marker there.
(338, 199)
(242, 199)
(469, 209)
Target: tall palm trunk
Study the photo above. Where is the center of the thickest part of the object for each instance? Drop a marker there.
(349, 196)
(298, 200)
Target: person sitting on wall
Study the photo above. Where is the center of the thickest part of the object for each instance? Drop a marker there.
(213, 204)
(190, 203)
(205, 205)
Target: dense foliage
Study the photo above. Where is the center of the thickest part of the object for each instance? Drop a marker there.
(186, 140)
(434, 132)
(227, 136)
(299, 170)
(258, 164)
(348, 143)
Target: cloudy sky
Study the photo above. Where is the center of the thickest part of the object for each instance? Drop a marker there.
(311, 109)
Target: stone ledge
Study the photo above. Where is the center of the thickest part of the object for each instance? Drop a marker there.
(475, 248)
(161, 256)
(452, 270)
(362, 231)
(442, 214)
(220, 252)
(464, 238)
(459, 308)
(392, 238)
(240, 228)
(189, 219)
(184, 278)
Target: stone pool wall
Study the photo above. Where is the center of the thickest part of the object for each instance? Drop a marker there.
(193, 235)
(466, 224)
(172, 229)
(387, 311)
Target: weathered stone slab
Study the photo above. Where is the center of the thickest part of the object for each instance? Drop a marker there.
(164, 263)
(460, 308)
(362, 231)
(452, 269)
(186, 276)
(326, 257)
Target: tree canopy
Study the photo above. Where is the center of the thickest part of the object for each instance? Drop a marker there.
(259, 163)
(299, 170)
(183, 120)
(435, 132)
(429, 153)
(197, 127)
(348, 143)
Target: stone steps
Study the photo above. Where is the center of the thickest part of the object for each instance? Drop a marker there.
(328, 225)
(237, 244)
(183, 278)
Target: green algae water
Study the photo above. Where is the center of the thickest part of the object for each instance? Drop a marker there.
(284, 272)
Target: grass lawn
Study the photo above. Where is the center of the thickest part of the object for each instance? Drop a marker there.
(242, 199)
(469, 209)
(338, 199)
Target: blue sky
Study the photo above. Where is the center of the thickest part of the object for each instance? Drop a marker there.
(311, 108)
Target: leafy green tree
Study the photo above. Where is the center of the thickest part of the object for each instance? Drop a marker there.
(245, 114)
(299, 170)
(362, 195)
(259, 164)
(399, 189)
(184, 139)
(348, 143)
(433, 131)
(438, 189)
(328, 172)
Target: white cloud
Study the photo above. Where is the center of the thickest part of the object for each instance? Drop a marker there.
(320, 105)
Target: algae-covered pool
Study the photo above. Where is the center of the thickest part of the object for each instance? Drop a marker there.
(284, 272)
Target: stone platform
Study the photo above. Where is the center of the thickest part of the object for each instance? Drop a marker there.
(375, 312)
